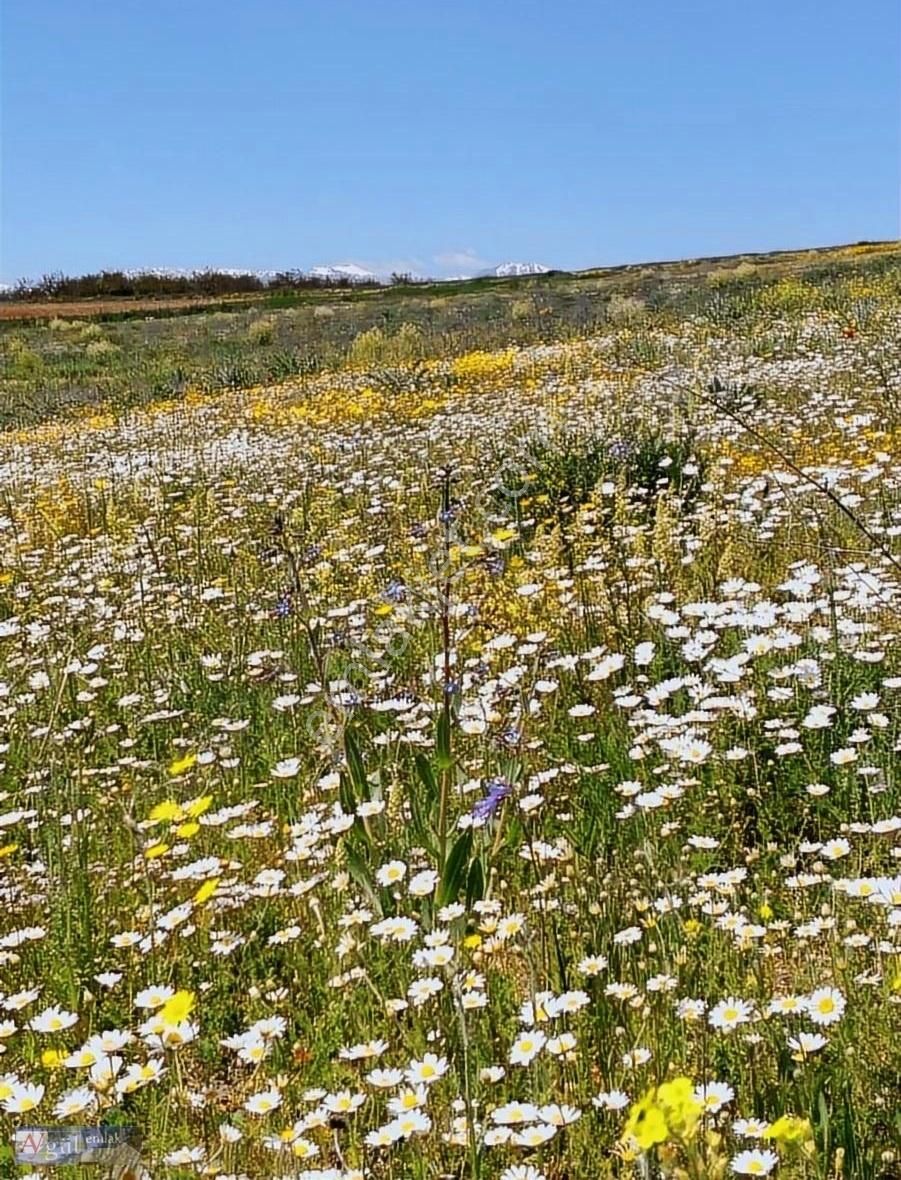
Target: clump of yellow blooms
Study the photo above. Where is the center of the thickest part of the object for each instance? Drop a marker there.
(862, 248)
(790, 294)
(667, 1113)
(829, 447)
(182, 814)
(790, 1129)
(668, 1120)
(333, 407)
(483, 367)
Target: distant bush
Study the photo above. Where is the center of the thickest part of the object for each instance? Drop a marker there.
(789, 294)
(720, 276)
(376, 347)
(407, 342)
(625, 309)
(100, 348)
(21, 361)
(262, 331)
(368, 347)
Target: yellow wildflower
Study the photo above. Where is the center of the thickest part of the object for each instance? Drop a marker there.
(167, 810)
(669, 1111)
(180, 765)
(790, 1129)
(178, 1008)
(681, 1109)
(646, 1125)
(197, 807)
(206, 891)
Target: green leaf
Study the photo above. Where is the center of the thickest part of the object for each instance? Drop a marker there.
(511, 770)
(346, 795)
(427, 777)
(822, 1120)
(422, 820)
(424, 804)
(355, 767)
(453, 877)
(360, 874)
(475, 882)
(443, 757)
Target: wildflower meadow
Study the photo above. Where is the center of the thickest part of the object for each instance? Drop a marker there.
(467, 758)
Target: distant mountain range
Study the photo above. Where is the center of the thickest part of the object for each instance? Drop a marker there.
(350, 272)
(345, 271)
(338, 272)
(508, 270)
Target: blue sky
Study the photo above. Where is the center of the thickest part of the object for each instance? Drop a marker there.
(439, 137)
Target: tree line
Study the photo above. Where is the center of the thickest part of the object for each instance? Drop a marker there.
(115, 284)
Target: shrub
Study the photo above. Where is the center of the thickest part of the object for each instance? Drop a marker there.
(625, 309)
(368, 347)
(374, 346)
(561, 472)
(100, 348)
(23, 361)
(261, 331)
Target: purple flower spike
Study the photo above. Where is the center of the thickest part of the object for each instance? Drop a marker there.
(496, 791)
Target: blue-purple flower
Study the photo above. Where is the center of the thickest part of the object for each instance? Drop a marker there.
(620, 449)
(496, 791)
(396, 590)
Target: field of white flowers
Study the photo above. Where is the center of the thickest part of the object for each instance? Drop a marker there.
(483, 769)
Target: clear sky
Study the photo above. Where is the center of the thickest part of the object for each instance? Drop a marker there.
(439, 136)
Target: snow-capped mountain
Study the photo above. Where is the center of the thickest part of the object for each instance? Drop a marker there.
(188, 272)
(507, 270)
(348, 271)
